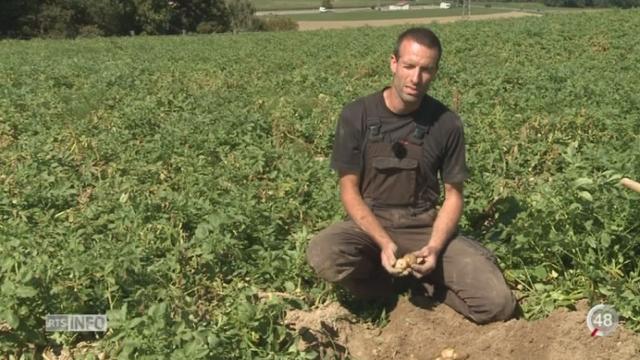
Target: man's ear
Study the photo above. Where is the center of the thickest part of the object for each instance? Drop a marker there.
(435, 74)
(393, 64)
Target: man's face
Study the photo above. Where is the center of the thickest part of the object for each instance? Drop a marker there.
(413, 70)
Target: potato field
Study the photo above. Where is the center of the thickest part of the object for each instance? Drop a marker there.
(174, 182)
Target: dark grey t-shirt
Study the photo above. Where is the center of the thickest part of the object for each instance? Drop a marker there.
(443, 144)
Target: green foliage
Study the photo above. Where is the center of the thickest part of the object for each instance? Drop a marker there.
(56, 20)
(152, 17)
(17, 17)
(70, 18)
(276, 23)
(208, 27)
(327, 4)
(188, 14)
(90, 31)
(176, 192)
(109, 17)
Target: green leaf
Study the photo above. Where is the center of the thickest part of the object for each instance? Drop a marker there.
(202, 231)
(25, 291)
(539, 272)
(585, 195)
(582, 182)
(605, 239)
(289, 286)
(11, 318)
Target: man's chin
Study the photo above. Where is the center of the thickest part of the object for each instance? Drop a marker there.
(412, 98)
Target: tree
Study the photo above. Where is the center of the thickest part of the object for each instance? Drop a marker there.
(188, 14)
(327, 4)
(71, 18)
(56, 20)
(152, 16)
(12, 15)
(112, 17)
(241, 15)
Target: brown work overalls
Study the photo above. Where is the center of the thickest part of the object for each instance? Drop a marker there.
(397, 183)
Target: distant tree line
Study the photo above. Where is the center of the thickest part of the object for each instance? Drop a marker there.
(72, 18)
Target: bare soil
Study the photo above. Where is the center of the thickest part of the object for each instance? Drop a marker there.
(418, 329)
(316, 25)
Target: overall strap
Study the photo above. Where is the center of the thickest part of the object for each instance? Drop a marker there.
(372, 132)
(374, 124)
(418, 134)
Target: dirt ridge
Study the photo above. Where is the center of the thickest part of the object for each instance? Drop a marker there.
(419, 330)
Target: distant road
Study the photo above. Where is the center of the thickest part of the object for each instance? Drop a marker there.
(341, 10)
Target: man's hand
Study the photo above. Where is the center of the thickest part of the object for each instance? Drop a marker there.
(444, 229)
(388, 259)
(427, 261)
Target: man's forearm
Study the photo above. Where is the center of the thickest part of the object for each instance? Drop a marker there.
(446, 222)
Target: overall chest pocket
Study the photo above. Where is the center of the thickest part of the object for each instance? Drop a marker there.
(394, 180)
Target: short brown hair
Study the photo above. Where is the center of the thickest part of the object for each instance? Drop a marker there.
(422, 36)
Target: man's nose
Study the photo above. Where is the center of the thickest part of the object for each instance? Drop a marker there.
(415, 77)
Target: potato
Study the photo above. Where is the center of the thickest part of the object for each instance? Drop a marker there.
(410, 259)
(451, 354)
(404, 264)
(401, 264)
(448, 353)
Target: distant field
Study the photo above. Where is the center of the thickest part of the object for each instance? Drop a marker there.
(383, 15)
(324, 25)
(525, 6)
(515, 5)
(264, 5)
(272, 5)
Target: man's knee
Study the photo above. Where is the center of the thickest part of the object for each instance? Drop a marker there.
(489, 297)
(321, 258)
(331, 258)
(499, 306)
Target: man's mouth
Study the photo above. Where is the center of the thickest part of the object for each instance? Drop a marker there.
(411, 90)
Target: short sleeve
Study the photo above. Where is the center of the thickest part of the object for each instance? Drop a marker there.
(347, 154)
(454, 166)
